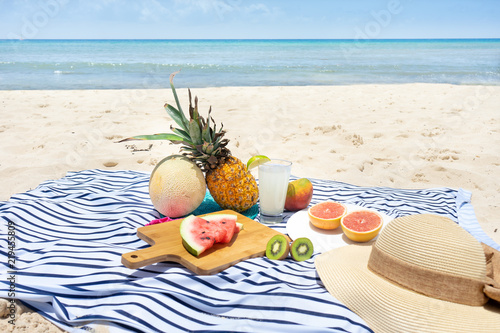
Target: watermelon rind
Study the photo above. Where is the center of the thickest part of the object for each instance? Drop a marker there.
(190, 249)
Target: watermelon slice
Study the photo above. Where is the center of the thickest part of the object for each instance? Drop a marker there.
(227, 225)
(199, 234)
(196, 235)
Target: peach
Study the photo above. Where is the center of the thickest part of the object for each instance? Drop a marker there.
(299, 194)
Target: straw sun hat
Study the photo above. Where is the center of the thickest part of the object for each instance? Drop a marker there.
(423, 274)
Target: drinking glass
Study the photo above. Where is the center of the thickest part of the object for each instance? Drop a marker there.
(273, 184)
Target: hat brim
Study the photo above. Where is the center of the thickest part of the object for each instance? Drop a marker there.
(388, 307)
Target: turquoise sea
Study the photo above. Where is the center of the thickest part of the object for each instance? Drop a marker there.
(106, 64)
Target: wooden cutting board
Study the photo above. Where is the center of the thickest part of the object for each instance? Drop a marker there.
(167, 245)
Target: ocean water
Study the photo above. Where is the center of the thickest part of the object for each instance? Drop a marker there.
(107, 64)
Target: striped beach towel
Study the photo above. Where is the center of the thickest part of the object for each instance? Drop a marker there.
(61, 255)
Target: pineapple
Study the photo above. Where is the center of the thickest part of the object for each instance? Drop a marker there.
(232, 186)
(230, 183)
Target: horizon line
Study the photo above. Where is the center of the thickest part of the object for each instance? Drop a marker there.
(251, 39)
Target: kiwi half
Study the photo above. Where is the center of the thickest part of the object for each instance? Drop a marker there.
(302, 249)
(277, 248)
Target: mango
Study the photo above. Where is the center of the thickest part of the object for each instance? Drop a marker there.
(299, 194)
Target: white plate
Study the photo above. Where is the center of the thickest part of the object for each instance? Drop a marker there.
(298, 225)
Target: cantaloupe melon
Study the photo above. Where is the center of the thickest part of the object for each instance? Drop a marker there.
(176, 186)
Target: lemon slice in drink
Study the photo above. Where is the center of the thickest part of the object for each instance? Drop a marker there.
(257, 160)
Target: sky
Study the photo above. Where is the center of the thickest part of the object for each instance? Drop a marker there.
(248, 19)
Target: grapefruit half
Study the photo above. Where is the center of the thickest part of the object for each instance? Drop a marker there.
(361, 225)
(326, 214)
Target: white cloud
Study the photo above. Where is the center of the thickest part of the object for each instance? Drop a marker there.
(153, 10)
(222, 8)
(97, 5)
(259, 7)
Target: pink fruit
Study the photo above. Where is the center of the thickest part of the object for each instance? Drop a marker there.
(299, 194)
(226, 224)
(362, 225)
(199, 234)
(326, 214)
(161, 220)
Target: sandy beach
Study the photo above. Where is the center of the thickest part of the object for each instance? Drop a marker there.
(401, 136)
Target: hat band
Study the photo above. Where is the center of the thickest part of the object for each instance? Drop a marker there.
(431, 283)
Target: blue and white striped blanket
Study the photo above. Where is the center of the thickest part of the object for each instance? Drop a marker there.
(67, 237)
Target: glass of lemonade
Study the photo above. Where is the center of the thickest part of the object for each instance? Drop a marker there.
(273, 184)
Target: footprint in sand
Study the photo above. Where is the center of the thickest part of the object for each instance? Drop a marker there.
(441, 154)
(381, 159)
(432, 132)
(114, 137)
(418, 177)
(449, 157)
(447, 154)
(110, 164)
(362, 166)
(356, 139)
(328, 129)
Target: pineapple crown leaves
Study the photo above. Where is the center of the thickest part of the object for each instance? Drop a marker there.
(200, 140)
